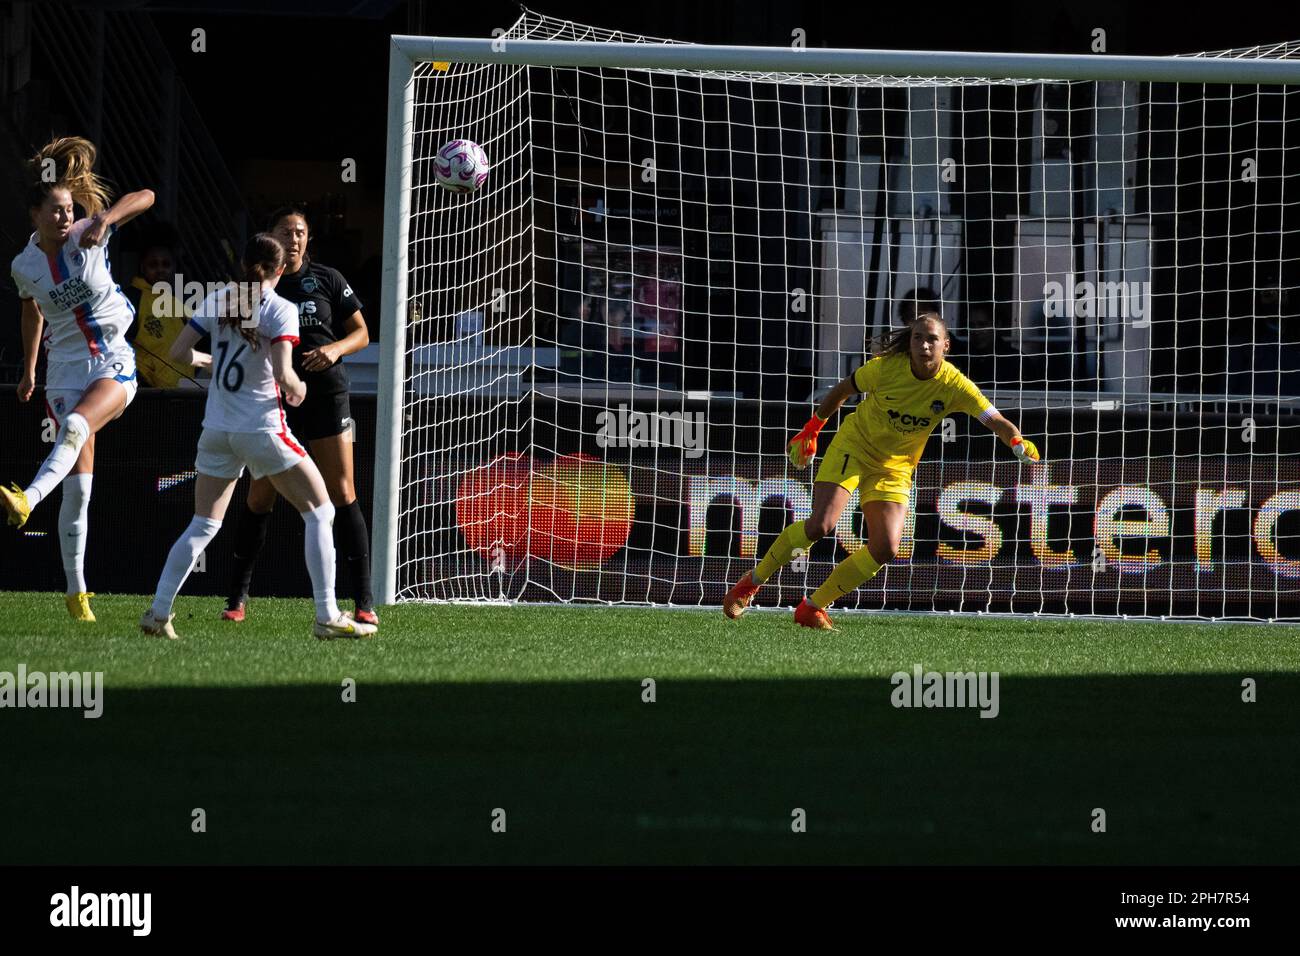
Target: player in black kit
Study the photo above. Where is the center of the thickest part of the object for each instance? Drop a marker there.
(330, 326)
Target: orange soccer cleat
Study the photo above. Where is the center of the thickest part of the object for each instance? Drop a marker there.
(738, 598)
(809, 615)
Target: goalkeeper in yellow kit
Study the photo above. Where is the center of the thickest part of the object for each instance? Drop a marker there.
(907, 390)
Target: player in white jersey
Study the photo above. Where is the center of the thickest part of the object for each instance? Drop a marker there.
(253, 333)
(65, 285)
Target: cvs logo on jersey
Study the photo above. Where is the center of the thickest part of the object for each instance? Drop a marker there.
(307, 313)
(904, 422)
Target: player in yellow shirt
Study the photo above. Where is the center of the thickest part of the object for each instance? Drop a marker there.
(907, 390)
(159, 319)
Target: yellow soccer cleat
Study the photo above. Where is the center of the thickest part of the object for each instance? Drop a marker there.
(79, 606)
(15, 502)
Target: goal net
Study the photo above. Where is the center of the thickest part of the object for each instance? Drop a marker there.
(592, 365)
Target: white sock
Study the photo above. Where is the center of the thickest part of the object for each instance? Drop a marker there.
(67, 448)
(72, 529)
(180, 562)
(320, 559)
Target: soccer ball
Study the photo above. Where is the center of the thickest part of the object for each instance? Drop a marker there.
(461, 166)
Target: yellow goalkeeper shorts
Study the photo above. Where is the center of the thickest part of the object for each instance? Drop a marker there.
(878, 483)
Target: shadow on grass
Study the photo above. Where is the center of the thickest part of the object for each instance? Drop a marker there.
(710, 772)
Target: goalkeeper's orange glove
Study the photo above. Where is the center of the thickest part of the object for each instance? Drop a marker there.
(803, 446)
(1024, 449)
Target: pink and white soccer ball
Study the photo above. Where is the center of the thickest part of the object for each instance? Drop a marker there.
(461, 166)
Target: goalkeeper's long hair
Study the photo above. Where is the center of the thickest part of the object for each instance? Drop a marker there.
(263, 258)
(899, 341)
(67, 163)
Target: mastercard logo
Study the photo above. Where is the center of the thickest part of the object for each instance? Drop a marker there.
(575, 511)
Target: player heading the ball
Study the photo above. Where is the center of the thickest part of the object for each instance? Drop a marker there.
(908, 388)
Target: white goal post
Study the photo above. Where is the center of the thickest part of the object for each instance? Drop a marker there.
(669, 229)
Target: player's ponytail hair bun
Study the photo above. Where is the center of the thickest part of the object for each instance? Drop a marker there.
(263, 258)
(67, 163)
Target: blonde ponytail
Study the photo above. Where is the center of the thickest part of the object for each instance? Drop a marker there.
(73, 162)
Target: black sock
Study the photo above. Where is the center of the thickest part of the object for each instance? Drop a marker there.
(250, 535)
(353, 541)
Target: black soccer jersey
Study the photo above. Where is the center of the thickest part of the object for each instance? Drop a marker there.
(325, 301)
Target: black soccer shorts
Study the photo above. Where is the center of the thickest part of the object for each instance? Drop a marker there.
(320, 416)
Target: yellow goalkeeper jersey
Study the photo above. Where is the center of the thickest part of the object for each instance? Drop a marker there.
(898, 411)
(157, 330)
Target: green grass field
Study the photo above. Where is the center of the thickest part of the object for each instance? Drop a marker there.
(539, 711)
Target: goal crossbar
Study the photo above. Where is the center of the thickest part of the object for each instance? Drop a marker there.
(939, 64)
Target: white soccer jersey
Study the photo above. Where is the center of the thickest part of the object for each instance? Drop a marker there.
(243, 395)
(86, 312)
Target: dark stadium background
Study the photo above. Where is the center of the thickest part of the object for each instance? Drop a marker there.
(289, 89)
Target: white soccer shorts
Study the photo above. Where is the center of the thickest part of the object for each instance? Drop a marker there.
(224, 454)
(66, 382)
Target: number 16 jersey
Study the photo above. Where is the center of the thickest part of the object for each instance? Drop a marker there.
(243, 395)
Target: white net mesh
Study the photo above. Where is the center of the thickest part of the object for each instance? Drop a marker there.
(610, 343)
